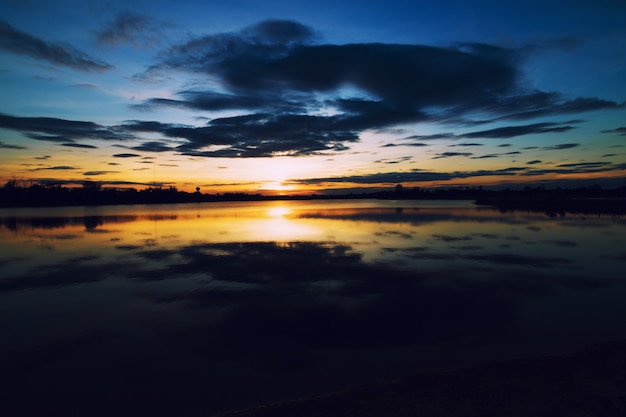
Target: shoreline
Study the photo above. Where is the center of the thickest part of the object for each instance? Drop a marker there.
(586, 383)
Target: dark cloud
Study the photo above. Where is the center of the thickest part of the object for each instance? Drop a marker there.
(289, 90)
(585, 165)
(11, 146)
(513, 131)
(435, 136)
(413, 176)
(21, 43)
(276, 68)
(56, 168)
(126, 155)
(466, 144)
(502, 132)
(258, 135)
(215, 101)
(416, 144)
(561, 146)
(47, 138)
(79, 145)
(538, 104)
(95, 173)
(418, 176)
(451, 154)
(152, 147)
(620, 131)
(61, 130)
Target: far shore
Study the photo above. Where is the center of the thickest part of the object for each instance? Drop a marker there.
(584, 200)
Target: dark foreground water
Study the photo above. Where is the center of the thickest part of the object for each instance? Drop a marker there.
(194, 309)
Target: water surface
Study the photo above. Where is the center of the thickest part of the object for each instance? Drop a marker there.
(194, 309)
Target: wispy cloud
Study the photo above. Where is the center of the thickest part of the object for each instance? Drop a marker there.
(21, 43)
(79, 145)
(126, 155)
(61, 130)
(56, 168)
(96, 173)
(505, 132)
(620, 131)
(561, 146)
(11, 146)
(451, 154)
(131, 28)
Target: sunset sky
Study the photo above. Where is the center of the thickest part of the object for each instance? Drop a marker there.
(310, 96)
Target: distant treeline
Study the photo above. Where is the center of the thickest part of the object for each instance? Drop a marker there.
(582, 199)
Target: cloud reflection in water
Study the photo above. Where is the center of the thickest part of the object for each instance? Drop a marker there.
(285, 300)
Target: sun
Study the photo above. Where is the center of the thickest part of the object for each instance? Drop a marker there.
(276, 186)
(277, 172)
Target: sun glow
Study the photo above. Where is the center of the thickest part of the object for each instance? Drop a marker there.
(278, 211)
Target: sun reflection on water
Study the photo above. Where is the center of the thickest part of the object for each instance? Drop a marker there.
(278, 211)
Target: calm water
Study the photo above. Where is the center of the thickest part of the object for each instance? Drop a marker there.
(193, 309)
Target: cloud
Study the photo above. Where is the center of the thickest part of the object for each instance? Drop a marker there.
(466, 144)
(416, 144)
(561, 146)
(621, 131)
(11, 146)
(130, 28)
(152, 147)
(408, 177)
(513, 131)
(95, 173)
(217, 101)
(505, 132)
(451, 154)
(585, 165)
(79, 145)
(56, 168)
(126, 155)
(285, 93)
(21, 43)
(259, 135)
(279, 73)
(61, 130)
(417, 176)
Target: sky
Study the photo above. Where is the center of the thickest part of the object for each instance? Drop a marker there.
(313, 96)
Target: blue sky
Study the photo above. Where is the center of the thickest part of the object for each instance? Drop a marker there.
(302, 95)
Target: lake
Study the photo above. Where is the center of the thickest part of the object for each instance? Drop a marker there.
(198, 308)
